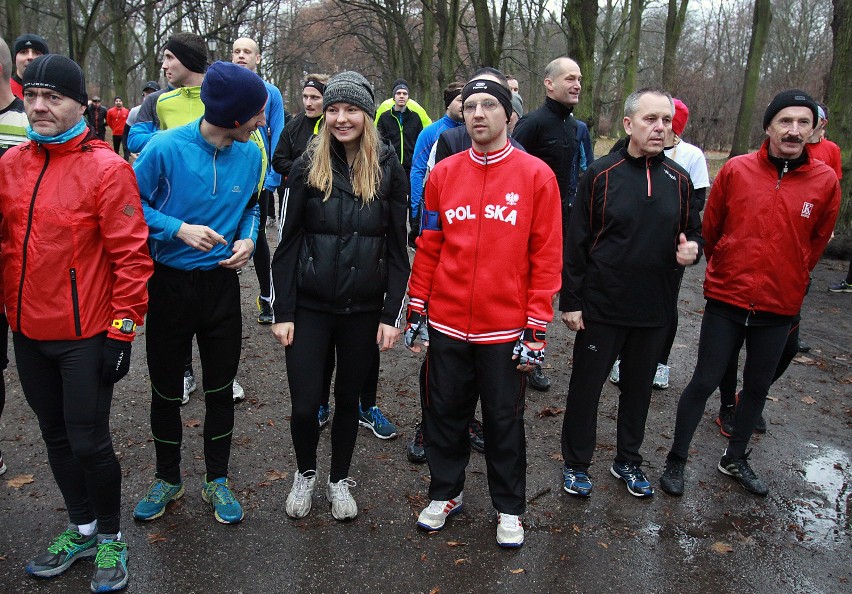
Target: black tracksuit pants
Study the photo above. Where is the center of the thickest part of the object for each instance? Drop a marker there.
(719, 340)
(61, 380)
(353, 336)
(183, 304)
(595, 350)
(456, 373)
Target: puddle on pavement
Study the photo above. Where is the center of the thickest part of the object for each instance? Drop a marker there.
(825, 517)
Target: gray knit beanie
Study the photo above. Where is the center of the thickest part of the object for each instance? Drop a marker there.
(352, 88)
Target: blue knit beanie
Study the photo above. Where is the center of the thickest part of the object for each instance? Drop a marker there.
(232, 95)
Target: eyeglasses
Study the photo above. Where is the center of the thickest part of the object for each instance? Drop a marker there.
(486, 105)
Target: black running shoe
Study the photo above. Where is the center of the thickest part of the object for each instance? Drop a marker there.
(672, 480)
(264, 308)
(741, 471)
(477, 436)
(538, 380)
(62, 552)
(415, 451)
(761, 425)
(725, 420)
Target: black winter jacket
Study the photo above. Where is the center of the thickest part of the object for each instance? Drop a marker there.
(341, 255)
(550, 133)
(402, 136)
(294, 139)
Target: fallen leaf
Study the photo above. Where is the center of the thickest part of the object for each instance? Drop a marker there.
(808, 400)
(576, 528)
(550, 411)
(156, 537)
(721, 547)
(455, 543)
(517, 571)
(434, 591)
(16, 482)
(772, 398)
(555, 456)
(461, 561)
(603, 544)
(192, 423)
(275, 475)
(423, 557)
(270, 423)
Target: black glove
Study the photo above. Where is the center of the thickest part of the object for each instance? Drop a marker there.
(416, 328)
(116, 360)
(415, 230)
(527, 355)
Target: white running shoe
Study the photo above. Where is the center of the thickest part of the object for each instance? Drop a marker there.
(661, 378)
(239, 393)
(510, 531)
(436, 513)
(300, 498)
(189, 386)
(343, 506)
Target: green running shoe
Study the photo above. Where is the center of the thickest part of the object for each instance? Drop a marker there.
(153, 505)
(110, 565)
(62, 552)
(226, 508)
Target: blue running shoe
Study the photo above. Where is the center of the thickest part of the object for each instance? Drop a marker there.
(226, 508)
(323, 415)
(62, 552)
(153, 505)
(630, 473)
(373, 419)
(576, 481)
(110, 565)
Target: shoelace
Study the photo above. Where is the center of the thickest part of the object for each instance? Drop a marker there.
(222, 493)
(632, 473)
(302, 485)
(340, 489)
(157, 491)
(743, 467)
(378, 418)
(418, 437)
(64, 542)
(675, 469)
(577, 477)
(109, 552)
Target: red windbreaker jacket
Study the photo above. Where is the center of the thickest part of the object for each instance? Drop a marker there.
(74, 240)
(489, 256)
(763, 235)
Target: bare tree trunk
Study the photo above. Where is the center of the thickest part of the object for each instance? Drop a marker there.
(581, 17)
(634, 34)
(674, 28)
(839, 83)
(485, 29)
(759, 32)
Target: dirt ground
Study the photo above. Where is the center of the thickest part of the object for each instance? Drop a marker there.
(717, 537)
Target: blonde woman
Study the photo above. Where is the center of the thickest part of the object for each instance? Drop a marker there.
(339, 277)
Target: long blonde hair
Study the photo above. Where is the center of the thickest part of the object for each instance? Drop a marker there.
(366, 172)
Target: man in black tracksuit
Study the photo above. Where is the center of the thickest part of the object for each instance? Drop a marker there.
(631, 228)
(550, 133)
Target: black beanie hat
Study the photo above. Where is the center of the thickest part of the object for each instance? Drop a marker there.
(789, 98)
(493, 88)
(398, 84)
(28, 40)
(352, 88)
(191, 55)
(59, 73)
(232, 95)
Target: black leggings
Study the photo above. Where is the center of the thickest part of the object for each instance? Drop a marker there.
(61, 380)
(719, 340)
(261, 248)
(367, 397)
(728, 385)
(353, 336)
(4, 359)
(667, 347)
(204, 303)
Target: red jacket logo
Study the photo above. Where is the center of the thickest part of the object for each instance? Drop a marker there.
(807, 207)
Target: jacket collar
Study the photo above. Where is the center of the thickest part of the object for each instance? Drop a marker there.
(70, 146)
(558, 108)
(202, 142)
(641, 161)
(492, 157)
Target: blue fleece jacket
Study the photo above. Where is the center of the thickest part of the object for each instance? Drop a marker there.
(184, 179)
(422, 148)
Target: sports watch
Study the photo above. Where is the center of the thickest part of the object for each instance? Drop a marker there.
(125, 326)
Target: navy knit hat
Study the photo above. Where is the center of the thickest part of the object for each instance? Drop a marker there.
(58, 73)
(789, 98)
(232, 95)
(352, 88)
(30, 40)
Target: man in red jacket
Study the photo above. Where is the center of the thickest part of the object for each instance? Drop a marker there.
(75, 266)
(116, 118)
(488, 262)
(767, 222)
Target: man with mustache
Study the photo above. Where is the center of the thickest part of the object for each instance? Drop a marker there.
(767, 222)
(631, 228)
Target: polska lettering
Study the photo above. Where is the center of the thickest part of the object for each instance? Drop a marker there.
(492, 211)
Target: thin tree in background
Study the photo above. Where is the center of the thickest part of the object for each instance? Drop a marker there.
(839, 83)
(759, 32)
(675, 18)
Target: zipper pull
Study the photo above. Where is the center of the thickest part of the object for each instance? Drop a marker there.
(783, 171)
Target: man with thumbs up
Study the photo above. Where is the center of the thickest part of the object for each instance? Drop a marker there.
(631, 230)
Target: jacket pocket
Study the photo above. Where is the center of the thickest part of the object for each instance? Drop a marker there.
(75, 302)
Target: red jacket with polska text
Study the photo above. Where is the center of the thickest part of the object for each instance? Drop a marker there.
(74, 250)
(763, 235)
(489, 256)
